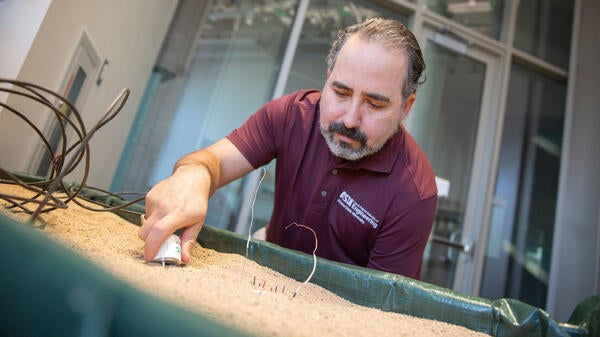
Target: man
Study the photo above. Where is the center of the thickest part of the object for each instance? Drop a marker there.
(346, 167)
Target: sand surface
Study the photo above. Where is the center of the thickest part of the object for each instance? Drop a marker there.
(228, 287)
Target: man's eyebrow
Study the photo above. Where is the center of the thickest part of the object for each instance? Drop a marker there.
(374, 96)
(341, 85)
(377, 97)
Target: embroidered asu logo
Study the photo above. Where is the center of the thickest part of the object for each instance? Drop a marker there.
(356, 210)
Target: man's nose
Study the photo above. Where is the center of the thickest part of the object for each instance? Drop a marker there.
(351, 118)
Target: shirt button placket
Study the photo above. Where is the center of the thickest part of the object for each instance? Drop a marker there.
(333, 172)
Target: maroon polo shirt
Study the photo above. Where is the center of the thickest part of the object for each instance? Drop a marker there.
(376, 212)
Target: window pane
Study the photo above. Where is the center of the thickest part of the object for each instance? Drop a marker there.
(544, 29)
(482, 16)
(520, 243)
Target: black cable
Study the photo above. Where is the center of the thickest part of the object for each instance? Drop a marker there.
(64, 158)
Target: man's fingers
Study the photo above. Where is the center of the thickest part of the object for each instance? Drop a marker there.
(147, 224)
(153, 242)
(143, 231)
(188, 237)
(155, 232)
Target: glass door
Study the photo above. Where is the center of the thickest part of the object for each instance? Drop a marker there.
(454, 122)
(518, 255)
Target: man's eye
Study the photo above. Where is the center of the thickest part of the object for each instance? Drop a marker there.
(375, 105)
(341, 93)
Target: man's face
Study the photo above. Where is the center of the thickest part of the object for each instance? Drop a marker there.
(361, 104)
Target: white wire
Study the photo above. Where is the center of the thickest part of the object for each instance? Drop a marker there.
(252, 210)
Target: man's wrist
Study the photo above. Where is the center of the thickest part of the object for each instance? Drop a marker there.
(207, 162)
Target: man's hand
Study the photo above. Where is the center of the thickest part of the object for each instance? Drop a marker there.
(180, 201)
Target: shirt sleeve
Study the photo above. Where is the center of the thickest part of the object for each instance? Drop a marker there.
(259, 138)
(399, 246)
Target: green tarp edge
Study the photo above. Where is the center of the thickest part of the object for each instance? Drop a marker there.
(50, 290)
(587, 315)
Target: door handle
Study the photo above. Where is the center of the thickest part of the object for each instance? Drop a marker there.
(467, 247)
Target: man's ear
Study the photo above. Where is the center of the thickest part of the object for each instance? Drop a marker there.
(408, 103)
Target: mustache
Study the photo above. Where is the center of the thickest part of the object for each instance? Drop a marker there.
(353, 133)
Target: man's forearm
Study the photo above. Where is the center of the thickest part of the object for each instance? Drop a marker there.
(207, 160)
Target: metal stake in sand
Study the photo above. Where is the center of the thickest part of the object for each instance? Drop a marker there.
(314, 255)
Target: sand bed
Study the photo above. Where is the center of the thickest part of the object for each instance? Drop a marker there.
(228, 287)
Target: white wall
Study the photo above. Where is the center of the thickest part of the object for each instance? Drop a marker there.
(19, 22)
(129, 35)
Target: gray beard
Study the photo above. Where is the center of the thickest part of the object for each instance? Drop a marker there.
(344, 150)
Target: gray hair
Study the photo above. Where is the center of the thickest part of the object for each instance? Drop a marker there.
(394, 35)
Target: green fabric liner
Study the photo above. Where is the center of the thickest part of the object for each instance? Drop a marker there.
(587, 316)
(386, 291)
